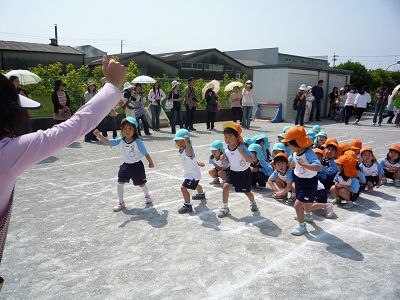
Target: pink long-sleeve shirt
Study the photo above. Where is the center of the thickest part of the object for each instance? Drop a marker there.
(20, 153)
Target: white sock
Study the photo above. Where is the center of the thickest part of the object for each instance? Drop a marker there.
(120, 192)
(145, 189)
(225, 205)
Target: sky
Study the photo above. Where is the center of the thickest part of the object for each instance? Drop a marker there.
(365, 31)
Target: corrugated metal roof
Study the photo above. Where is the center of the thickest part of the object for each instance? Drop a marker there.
(182, 55)
(250, 63)
(35, 47)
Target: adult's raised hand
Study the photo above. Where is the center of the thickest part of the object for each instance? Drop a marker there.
(114, 72)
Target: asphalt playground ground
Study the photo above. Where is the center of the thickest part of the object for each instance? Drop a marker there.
(65, 242)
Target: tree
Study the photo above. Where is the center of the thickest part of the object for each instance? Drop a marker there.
(360, 76)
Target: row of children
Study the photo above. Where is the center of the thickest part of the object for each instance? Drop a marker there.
(315, 165)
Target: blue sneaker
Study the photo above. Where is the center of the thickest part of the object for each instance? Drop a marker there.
(186, 208)
(299, 230)
(307, 217)
(199, 196)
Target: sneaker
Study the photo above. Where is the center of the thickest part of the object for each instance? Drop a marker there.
(208, 129)
(223, 212)
(199, 196)
(215, 181)
(307, 217)
(356, 122)
(373, 124)
(260, 189)
(336, 201)
(119, 206)
(192, 129)
(396, 182)
(329, 210)
(147, 199)
(379, 124)
(370, 190)
(348, 205)
(390, 122)
(186, 208)
(253, 206)
(384, 181)
(213, 129)
(299, 230)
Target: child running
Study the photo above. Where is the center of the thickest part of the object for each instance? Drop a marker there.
(132, 150)
(306, 165)
(220, 169)
(371, 168)
(239, 158)
(191, 170)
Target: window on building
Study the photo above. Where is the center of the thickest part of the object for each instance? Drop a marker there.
(288, 59)
(212, 67)
(186, 65)
(229, 68)
(197, 66)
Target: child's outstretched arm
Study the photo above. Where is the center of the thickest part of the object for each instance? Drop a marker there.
(148, 157)
(106, 141)
(188, 147)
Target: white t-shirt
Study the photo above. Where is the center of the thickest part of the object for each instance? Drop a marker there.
(131, 152)
(237, 162)
(191, 169)
(309, 157)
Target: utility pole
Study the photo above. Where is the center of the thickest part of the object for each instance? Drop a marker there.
(122, 41)
(334, 58)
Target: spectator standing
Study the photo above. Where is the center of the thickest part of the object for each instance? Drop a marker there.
(334, 103)
(128, 100)
(380, 102)
(361, 102)
(349, 104)
(247, 104)
(342, 101)
(390, 109)
(176, 110)
(310, 99)
(301, 105)
(113, 119)
(236, 104)
(61, 102)
(89, 94)
(26, 125)
(138, 103)
(211, 107)
(318, 93)
(191, 104)
(156, 96)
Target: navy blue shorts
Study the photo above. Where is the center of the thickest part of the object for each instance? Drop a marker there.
(373, 179)
(240, 180)
(389, 175)
(134, 171)
(321, 196)
(353, 196)
(306, 189)
(191, 184)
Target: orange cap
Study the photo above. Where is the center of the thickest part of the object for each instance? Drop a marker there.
(282, 154)
(395, 147)
(298, 134)
(356, 144)
(366, 148)
(235, 127)
(351, 153)
(349, 164)
(330, 140)
(344, 147)
(317, 150)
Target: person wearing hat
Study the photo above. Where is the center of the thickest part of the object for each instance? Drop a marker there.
(132, 150)
(128, 100)
(306, 166)
(278, 148)
(356, 145)
(331, 152)
(236, 105)
(321, 138)
(191, 104)
(390, 109)
(191, 170)
(281, 179)
(301, 105)
(260, 169)
(263, 141)
(61, 102)
(372, 170)
(346, 185)
(139, 100)
(391, 165)
(25, 124)
(20, 152)
(247, 104)
(156, 96)
(239, 159)
(323, 174)
(176, 109)
(89, 94)
(220, 169)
